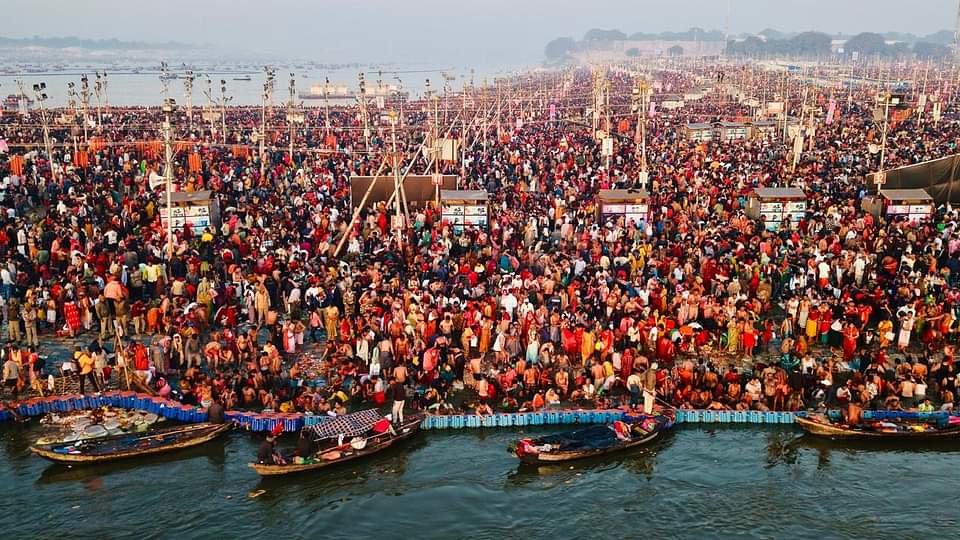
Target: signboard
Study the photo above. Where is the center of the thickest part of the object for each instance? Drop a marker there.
(449, 148)
(636, 218)
(197, 216)
(460, 215)
(771, 207)
(796, 206)
(898, 209)
(614, 209)
(607, 147)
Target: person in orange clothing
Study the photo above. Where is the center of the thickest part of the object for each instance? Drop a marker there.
(588, 344)
(850, 337)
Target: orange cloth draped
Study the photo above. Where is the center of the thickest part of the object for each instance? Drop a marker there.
(16, 165)
(240, 151)
(96, 144)
(193, 162)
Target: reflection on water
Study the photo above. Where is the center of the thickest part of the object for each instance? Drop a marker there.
(640, 461)
(350, 475)
(214, 452)
(781, 449)
(700, 482)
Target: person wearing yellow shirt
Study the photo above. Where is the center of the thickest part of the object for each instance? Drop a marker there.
(85, 364)
(588, 345)
(609, 375)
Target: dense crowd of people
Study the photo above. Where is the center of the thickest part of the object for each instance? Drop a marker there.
(551, 304)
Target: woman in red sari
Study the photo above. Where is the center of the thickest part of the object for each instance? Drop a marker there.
(850, 336)
(749, 338)
(72, 314)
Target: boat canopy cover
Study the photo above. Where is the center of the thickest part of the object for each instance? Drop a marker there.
(348, 425)
(591, 438)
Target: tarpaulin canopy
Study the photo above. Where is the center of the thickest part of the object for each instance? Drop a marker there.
(348, 425)
(940, 177)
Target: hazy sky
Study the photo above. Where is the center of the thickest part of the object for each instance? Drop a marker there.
(460, 32)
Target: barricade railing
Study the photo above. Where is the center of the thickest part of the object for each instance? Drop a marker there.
(294, 422)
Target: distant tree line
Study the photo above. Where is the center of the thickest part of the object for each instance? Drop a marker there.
(769, 42)
(813, 44)
(71, 41)
(561, 47)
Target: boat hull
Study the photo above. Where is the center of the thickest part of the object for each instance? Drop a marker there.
(554, 457)
(406, 431)
(821, 429)
(193, 435)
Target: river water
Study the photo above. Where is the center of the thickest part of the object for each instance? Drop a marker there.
(728, 481)
(144, 89)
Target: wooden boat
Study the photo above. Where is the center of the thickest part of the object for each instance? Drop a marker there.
(337, 454)
(75, 426)
(130, 445)
(890, 428)
(592, 441)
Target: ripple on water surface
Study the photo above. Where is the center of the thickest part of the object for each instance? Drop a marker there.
(734, 481)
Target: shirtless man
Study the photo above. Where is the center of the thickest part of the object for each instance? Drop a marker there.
(854, 414)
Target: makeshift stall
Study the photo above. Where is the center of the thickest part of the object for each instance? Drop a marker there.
(699, 132)
(764, 129)
(629, 204)
(464, 208)
(730, 131)
(198, 208)
(914, 204)
(773, 206)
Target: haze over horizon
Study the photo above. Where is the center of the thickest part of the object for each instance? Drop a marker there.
(490, 32)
